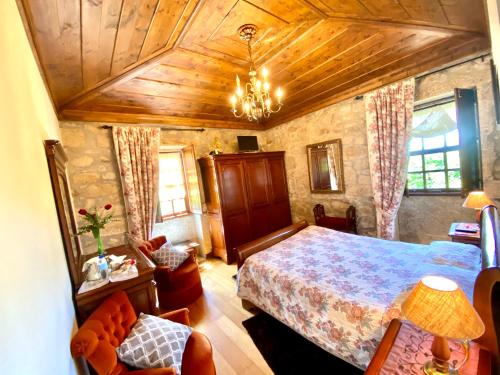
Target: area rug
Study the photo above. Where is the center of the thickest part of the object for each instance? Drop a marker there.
(287, 353)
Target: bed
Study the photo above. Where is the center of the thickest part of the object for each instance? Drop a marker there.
(340, 290)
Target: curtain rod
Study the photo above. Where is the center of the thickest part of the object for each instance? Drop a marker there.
(165, 129)
(482, 56)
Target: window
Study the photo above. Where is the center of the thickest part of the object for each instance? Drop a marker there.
(434, 164)
(445, 150)
(173, 193)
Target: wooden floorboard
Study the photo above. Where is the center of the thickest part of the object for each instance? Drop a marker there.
(218, 314)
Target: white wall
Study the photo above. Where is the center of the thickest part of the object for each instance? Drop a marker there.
(494, 25)
(36, 311)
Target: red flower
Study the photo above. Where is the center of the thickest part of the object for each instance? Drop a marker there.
(108, 206)
(82, 211)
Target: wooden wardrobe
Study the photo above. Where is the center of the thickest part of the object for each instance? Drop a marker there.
(246, 197)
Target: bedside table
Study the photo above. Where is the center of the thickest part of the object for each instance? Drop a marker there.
(405, 348)
(464, 237)
(189, 246)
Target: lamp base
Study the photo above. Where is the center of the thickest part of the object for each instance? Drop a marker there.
(440, 355)
(430, 368)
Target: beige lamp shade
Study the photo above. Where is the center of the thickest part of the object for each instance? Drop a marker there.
(439, 306)
(477, 200)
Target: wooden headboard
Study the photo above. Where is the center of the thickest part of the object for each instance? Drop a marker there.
(252, 247)
(487, 285)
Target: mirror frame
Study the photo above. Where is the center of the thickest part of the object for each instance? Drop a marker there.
(341, 184)
(57, 160)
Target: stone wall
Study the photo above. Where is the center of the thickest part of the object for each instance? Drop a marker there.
(428, 218)
(94, 178)
(345, 120)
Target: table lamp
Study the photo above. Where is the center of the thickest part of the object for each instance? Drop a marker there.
(477, 200)
(438, 306)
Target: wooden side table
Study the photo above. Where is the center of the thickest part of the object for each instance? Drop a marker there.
(464, 237)
(189, 246)
(140, 290)
(405, 348)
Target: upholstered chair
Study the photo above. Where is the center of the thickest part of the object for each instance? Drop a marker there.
(107, 327)
(343, 224)
(176, 288)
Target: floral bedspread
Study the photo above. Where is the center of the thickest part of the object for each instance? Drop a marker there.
(340, 290)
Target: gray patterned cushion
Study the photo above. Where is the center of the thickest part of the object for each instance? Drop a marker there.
(169, 256)
(154, 342)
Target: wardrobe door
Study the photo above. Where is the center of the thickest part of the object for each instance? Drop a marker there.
(280, 215)
(259, 196)
(233, 194)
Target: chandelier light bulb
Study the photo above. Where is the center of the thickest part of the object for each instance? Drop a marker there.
(279, 93)
(265, 72)
(268, 103)
(266, 86)
(239, 91)
(233, 100)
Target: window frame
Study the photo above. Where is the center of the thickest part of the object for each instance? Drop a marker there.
(444, 150)
(186, 197)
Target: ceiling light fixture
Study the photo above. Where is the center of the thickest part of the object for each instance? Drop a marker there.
(254, 100)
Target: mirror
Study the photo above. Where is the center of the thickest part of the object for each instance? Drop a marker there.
(326, 170)
(56, 158)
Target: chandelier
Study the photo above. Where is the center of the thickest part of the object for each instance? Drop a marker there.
(253, 100)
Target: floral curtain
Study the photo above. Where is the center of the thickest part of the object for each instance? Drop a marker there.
(137, 151)
(389, 114)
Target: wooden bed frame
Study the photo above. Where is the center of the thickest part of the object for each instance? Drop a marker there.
(486, 287)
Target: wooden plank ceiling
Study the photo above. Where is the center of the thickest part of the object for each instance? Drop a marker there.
(175, 61)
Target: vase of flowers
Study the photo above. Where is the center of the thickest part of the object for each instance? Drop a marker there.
(96, 220)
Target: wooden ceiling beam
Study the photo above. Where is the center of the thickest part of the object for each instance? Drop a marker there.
(133, 109)
(78, 115)
(148, 101)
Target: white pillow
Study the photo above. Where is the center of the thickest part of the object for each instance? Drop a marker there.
(169, 256)
(154, 342)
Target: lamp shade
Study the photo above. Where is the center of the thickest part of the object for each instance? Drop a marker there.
(439, 306)
(477, 200)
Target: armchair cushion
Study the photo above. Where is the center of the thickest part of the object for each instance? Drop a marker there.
(169, 256)
(155, 342)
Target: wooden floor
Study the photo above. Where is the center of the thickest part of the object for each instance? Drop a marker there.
(218, 314)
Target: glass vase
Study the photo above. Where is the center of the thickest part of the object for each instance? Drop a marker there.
(100, 245)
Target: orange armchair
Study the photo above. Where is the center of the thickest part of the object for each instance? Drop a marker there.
(176, 288)
(107, 327)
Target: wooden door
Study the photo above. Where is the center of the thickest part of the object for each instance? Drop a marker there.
(258, 196)
(280, 215)
(233, 196)
(210, 188)
(191, 176)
